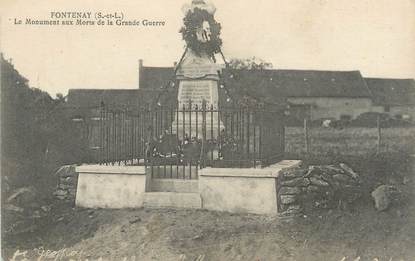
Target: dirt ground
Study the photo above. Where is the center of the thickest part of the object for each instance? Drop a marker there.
(359, 232)
(149, 234)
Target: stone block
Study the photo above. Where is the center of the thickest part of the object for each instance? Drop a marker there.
(301, 182)
(383, 196)
(287, 199)
(293, 173)
(66, 171)
(289, 190)
(313, 188)
(318, 182)
(292, 210)
(341, 178)
(349, 171)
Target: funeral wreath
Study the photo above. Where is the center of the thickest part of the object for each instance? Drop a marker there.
(201, 32)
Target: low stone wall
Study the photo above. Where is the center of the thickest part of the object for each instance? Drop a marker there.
(305, 188)
(67, 180)
(110, 186)
(242, 190)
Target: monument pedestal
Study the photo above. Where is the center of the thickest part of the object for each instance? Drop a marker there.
(192, 117)
(198, 82)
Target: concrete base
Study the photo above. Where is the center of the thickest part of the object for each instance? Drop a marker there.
(242, 190)
(172, 200)
(223, 189)
(110, 186)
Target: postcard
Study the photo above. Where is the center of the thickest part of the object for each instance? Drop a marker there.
(207, 130)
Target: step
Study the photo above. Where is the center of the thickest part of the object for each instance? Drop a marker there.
(172, 200)
(174, 185)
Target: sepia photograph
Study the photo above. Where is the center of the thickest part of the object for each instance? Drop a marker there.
(199, 130)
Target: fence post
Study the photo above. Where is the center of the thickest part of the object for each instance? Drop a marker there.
(101, 134)
(202, 152)
(306, 136)
(282, 135)
(379, 134)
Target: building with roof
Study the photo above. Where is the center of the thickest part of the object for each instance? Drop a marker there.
(318, 94)
(309, 93)
(315, 94)
(395, 97)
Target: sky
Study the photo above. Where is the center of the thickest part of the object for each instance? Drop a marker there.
(374, 36)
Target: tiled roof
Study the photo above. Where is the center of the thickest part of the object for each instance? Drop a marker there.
(279, 83)
(272, 85)
(392, 91)
(118, 98)
(299, 83)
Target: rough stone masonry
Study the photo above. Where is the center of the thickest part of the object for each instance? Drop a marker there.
(328, 186)
(67, 182)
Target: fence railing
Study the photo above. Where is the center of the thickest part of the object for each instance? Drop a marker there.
(346, 140)
(190, 137)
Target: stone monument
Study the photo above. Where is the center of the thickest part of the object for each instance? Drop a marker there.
(198, 76)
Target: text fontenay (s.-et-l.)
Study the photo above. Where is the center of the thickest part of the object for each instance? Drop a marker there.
(71, 15)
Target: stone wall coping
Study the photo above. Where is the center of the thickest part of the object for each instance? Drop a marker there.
(271, 171)
(109, 169)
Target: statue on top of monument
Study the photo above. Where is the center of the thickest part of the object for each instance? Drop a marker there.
(201, 4)
(200, 31)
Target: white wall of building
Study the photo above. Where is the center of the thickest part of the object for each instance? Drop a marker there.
(334, 107)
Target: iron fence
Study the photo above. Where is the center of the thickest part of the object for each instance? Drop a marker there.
(174, 142)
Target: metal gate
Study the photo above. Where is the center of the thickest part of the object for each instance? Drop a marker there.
(175, 142)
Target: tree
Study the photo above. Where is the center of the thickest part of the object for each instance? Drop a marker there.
(37, 136)
(253, 63)
(252, 93)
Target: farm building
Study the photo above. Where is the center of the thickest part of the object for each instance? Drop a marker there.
(309, 93)
(395, 97)
(316, 94)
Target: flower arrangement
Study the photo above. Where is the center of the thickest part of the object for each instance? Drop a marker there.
(193, 22)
